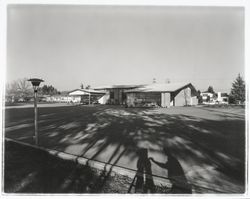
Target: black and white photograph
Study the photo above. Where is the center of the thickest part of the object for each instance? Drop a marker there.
(124, 99)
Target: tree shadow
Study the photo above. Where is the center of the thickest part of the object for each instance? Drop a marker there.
(29, 170)
(103, 132)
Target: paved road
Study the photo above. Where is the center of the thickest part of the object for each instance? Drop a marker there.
(199, 146)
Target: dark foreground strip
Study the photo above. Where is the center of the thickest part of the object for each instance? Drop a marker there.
(131, 173)
(92, 163)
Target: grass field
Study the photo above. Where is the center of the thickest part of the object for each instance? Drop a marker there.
(204, 146)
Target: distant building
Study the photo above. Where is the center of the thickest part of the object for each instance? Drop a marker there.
(57, 98)
(222, 98)
(214, 98)
(86, 96)
(207, 97)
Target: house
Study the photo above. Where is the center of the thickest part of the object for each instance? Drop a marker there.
(214, 98)
(164, 95)
(207, 97)
(222, 98)
(86, 96)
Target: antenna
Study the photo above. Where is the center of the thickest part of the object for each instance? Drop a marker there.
(167, 81)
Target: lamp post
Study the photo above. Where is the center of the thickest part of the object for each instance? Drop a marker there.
(89, 98)
(35, 83)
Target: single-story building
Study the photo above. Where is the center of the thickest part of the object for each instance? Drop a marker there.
(164, 95)
(86, 96)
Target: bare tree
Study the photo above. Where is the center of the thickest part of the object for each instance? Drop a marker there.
(24, 87)
(20, 88)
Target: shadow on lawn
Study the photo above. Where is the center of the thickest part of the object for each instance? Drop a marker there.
(210, 147)
(30, 170)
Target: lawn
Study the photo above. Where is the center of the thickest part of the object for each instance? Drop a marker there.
(203, 147)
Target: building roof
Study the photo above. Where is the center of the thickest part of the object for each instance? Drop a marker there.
(207, 92)
(166, 87)
(117, 86)
(78, 92)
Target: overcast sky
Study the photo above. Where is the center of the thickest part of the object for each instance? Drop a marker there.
(97, 45)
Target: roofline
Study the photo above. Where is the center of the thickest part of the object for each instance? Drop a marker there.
(119, 86)
(189, 84)
(142, 91)
(86, 91)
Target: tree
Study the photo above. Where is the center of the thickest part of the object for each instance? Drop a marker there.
(199, 97)
(19, 89)
(48, 90)
(210, 89)
(237, 94)
(208, 99)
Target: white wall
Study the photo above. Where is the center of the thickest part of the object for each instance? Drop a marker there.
(104, 99)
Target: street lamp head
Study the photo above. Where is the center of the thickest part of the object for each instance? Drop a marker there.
(35, 82)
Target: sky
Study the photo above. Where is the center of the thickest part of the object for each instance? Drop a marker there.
(67, 45)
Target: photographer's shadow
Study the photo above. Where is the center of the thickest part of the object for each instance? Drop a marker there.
(175, 174)
(143, 179)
